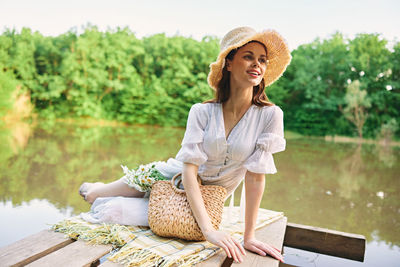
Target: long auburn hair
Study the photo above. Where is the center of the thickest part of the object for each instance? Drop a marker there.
(222, 93)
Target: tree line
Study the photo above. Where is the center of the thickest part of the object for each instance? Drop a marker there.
(336, 86)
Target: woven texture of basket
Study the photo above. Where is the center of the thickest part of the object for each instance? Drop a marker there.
(171, 216)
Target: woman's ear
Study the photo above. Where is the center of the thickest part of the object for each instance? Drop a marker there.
(228, 65)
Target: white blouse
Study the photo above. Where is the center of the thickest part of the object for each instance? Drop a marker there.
(249, 146)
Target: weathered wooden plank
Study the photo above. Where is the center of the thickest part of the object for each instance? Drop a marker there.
(325, 241)
(32, 248)
(272, 234)
(216, 260)
(285, 265)
(75, 254)
(110, 264)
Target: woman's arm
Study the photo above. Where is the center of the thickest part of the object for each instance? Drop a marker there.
(231, 246)
(255, 183)
(189, 180)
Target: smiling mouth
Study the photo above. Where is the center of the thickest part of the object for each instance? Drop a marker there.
(253, 74)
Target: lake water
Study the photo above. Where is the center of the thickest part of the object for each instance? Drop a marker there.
(344, 187)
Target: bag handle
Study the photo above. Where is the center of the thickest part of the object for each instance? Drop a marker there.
(176, 188)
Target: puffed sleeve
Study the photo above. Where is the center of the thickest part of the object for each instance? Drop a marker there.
(192, 144)
(271, 140)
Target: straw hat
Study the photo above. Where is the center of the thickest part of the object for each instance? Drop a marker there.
(278, 53)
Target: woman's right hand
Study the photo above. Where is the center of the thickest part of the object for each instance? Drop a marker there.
(232, 247)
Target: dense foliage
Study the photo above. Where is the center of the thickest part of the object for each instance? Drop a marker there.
(154, 80)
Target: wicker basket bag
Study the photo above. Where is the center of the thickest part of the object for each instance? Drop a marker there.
(170, 214)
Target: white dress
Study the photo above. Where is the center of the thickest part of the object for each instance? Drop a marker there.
(221, 161)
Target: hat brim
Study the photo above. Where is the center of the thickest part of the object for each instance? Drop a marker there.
(278, 55)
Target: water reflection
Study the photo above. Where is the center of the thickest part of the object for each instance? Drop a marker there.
(377, 254)
(19, 221)
(346, 187)
(343, 187)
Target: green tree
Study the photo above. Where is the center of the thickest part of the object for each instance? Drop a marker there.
(371, 65)
(357, 103)
(8, 85)
(316, 82)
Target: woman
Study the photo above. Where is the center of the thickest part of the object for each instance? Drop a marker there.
(229, 138)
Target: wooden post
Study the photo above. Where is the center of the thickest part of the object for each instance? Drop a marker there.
(325, 241)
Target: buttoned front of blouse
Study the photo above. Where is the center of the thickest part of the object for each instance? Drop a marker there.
(249, 146)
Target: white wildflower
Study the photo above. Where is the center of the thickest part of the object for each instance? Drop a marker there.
(143, 177)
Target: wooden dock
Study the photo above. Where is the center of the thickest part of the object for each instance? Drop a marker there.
(48, 248)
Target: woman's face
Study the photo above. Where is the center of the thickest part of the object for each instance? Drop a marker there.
(248, 66)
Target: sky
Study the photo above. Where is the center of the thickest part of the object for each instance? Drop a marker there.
(299, 21)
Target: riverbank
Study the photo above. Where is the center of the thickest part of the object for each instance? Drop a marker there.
(288, 134)
(91, 122)
(346, 139)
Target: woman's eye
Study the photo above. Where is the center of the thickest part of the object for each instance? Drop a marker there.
(248, 57)
(263, 61)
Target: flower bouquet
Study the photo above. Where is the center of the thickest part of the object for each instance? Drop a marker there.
(143, 177)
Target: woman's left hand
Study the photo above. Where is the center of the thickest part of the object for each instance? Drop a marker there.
(262, 249)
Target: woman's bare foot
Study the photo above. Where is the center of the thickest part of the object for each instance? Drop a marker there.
(88, 191)
(91, 191)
